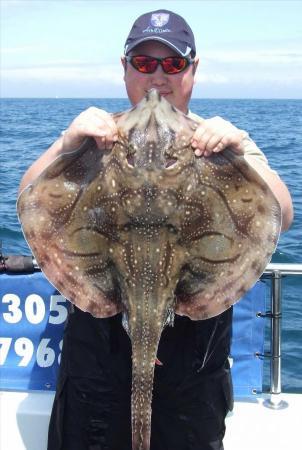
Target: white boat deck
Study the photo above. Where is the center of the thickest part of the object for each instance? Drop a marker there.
(251, 426)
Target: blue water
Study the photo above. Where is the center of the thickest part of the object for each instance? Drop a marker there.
(29, 126)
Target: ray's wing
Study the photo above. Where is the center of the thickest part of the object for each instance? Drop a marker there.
(65, 224)
(230, 234)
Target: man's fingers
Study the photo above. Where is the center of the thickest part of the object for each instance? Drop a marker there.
(205, 143)
(92, 122)
(101, 124)
(197, 139)
(107, 121)
(216, 134)
(218, 148)
(103, 143)
(201, 140)
(212, 143)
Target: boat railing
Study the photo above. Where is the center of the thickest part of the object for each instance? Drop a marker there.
(275, 272)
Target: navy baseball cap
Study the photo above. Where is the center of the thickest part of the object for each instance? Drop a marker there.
(163, 26)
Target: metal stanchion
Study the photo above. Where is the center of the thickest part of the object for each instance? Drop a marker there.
(275, 402)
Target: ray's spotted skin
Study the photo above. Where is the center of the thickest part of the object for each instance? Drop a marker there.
(147, 229)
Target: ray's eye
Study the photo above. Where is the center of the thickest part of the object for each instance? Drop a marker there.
(172, 228)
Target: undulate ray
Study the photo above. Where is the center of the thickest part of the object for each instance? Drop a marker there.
(149, 228)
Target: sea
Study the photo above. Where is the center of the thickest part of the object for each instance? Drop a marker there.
(29, 126)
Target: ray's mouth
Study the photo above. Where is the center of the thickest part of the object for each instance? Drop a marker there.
(162, 93)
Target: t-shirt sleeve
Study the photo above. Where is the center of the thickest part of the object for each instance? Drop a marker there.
(252, 153)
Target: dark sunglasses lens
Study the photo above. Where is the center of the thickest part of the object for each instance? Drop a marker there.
(174, 65)
(144, 64)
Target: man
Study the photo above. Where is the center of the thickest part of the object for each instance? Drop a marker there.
(192, 385)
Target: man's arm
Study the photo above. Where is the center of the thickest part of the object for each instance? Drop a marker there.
(278, 187)
(40, 164)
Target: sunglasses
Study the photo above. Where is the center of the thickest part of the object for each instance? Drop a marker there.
(149, 64)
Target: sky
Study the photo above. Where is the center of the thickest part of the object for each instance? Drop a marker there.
(72, 48)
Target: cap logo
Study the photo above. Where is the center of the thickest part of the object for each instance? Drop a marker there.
(159, 19)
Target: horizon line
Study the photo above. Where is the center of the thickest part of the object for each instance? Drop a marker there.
(126, 98)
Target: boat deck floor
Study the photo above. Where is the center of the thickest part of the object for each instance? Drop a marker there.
(253, 426)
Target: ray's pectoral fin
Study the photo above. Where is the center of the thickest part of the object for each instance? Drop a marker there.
(66, 224)
(230, 238)
(202, 294)
(78, 264)
(220, 269)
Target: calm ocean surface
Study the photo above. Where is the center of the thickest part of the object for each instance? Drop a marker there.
(29, 126)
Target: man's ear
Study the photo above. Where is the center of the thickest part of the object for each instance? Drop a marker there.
(195, 64)
(124, 62)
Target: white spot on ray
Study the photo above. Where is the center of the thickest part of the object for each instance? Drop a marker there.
(69, 186)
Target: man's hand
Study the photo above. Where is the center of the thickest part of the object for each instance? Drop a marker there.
(92, 122)
(215, 134)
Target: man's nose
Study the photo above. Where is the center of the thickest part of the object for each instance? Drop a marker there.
(159, 76)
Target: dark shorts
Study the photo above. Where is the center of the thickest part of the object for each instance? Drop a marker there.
(92, 411)
(88, 417)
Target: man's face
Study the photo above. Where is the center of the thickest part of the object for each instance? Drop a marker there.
(175, 88)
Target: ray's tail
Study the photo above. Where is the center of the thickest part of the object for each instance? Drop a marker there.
(141, 407)
(144, 351)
